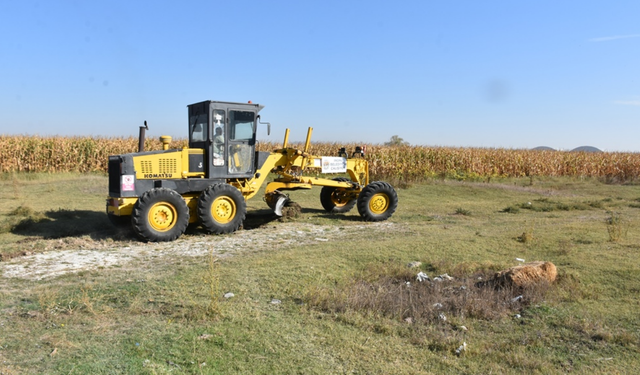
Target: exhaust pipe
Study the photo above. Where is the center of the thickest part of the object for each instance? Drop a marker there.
(141, 136)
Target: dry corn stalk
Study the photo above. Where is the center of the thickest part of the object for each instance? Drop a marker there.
(404, 163)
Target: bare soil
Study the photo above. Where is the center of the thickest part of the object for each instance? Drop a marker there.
(57, 257)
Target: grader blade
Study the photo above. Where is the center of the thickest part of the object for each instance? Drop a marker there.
(281, 201)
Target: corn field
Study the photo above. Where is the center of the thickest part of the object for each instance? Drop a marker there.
(400, 163)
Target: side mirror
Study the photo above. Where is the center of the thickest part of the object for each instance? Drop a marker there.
(265, 123)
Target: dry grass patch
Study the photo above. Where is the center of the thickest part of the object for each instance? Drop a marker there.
(431, 312)
(617, 227)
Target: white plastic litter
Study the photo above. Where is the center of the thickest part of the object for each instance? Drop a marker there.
(229, 295)
(516, 299)
(520, 260)
(462, 348)
(422, 277)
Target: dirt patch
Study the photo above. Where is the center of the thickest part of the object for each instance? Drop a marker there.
(6, 256)
(291, 210)
(57, 262)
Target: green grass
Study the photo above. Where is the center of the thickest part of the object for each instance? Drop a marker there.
(169, 316)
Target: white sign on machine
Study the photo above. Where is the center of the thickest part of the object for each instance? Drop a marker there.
(331, 164)
(128, 183)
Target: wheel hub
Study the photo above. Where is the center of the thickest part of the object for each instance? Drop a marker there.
(379, 203)
(338, 198)
(162, 216)
(223, 209)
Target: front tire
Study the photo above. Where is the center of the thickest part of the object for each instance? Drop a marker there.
(221, 209)
(336, 200)
(159, 215)
(377, 201)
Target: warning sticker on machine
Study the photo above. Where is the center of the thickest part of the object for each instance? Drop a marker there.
(127, 183)
(334, 164)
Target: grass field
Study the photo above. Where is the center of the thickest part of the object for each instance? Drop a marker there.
(326, 294)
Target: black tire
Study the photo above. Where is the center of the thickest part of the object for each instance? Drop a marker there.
(221, 209)
(160, 214)
(377, 201)
(336, 200)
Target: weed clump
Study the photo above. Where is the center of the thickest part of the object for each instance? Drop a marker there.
(463, 212)
(617, 227)
(22, 211)
(526, 237)
(511, 210)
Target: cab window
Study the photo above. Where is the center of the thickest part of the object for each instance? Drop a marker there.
(198, 128)
(218, 137)
(241, 125)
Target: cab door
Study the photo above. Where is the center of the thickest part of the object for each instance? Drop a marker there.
(199, 136)
(241, 142)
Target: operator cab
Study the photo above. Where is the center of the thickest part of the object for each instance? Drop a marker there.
(226, 132)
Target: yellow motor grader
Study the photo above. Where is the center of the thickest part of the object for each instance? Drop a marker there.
(159, 193)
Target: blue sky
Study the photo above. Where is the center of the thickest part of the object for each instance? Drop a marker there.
(512, 74)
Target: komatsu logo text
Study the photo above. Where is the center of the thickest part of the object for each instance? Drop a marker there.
(157, 175)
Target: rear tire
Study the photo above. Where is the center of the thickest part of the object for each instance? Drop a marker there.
(336, 200)
(221, 209)
(377, 201)
(160, 214)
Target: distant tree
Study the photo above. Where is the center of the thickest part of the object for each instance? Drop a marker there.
(396, 141)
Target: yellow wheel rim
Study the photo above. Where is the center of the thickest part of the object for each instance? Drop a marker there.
(223, 210)
(162, 216)
(379, 203)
